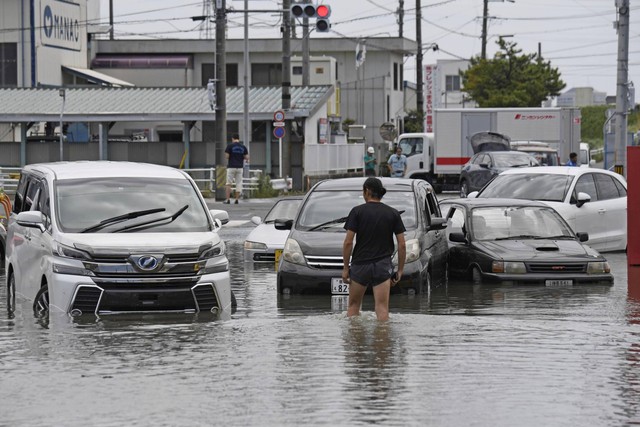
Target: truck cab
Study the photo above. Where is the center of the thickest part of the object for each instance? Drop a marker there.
(418, 148)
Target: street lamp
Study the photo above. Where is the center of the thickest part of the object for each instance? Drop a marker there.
(62, 93)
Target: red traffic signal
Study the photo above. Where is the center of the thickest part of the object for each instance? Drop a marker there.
(323, 11)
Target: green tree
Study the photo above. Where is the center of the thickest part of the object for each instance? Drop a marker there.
(511, 79)
(414, 121)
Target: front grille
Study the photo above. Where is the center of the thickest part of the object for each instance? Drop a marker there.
(264, 257)
(324, 262)
(557, 268)
(205, 297)
(147, 285)
(87, 299)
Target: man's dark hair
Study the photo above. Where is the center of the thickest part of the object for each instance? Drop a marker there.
(572, 155)
(375, 186)
(235, 136)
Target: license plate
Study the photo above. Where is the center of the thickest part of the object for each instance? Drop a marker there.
(278, 254)
(338, 287)
(558, 283)
(339, 302)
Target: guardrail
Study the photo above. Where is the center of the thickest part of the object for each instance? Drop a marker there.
(9, 179)
(205, 179)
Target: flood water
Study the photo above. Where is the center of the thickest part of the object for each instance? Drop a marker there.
(461, 355)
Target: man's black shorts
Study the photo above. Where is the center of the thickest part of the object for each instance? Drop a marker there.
(373, 273)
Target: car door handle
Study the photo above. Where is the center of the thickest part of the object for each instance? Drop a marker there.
(602, 211)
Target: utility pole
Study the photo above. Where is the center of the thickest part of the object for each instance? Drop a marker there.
(245, 111)
(221, 74)
(622, 89)
(305, 52)
(485, 17)
(419, 85)
(110, 19)
(286, 86)
(401, 19)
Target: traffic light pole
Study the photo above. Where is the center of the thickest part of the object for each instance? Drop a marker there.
(286, 86)
(622, 91)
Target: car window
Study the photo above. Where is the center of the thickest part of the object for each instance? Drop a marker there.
(432, 203)
(621, 190)
(43, 204)
(534, 186)
(504, 222)
(455, 220)
(606, 187)
(477, 159)
(411, 146)
(586, 184)
(83, 203)
(20, 192)
(30, 195)
(509, 159)
(283, 209)
(323, 206)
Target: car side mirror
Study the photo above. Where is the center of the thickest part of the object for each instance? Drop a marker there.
(221, 215)
(283, 224)
(484, 165)
(582, 199)
(256, 220)
(457, 237)
(592, 163)
(582, 236)
(31, 219)
(472, 195)
(437, 223)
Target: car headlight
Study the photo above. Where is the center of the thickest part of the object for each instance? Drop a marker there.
(292, 253)
(413, 252)
(214, 251)
(255, 245)
(600, 267)
(508, 267)
(65, 251)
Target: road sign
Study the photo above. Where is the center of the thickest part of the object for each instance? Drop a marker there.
(278, 124)
(278, 116)
(278, 132)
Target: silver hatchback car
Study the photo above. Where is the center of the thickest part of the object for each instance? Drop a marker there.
(115, 237)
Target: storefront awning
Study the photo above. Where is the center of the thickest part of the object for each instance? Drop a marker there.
(96, 77)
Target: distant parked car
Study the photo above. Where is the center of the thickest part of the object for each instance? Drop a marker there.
(519, 242)
(543, 152)
(312, 257)
(485, 166)
(590, 200)
(103, 238)
(265, 242)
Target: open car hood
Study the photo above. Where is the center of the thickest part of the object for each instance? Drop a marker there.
(489, 141)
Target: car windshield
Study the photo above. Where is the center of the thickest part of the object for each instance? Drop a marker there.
(534, 186)
(518, 222)
(411, 146)
(509, 159)
(325, 206)
(283, 209)
(84, 203)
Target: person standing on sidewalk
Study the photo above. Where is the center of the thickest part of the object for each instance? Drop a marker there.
(372, 225)
(370, 162)
(397, 164)
(236, 154)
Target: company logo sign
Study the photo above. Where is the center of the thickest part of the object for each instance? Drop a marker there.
(60, 24)
(146, 262)
(535, 117)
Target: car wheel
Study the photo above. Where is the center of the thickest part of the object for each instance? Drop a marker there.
(476, 276)
(11, 294)
(234, 303)
(464, 189)
(41, 302)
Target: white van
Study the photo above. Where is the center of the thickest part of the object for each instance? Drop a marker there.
(584, 156)
(114, 237)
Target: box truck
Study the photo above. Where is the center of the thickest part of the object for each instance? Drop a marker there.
(438, 157)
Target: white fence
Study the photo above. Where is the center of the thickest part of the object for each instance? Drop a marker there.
(330, 158)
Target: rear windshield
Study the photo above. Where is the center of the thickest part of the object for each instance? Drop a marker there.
(324, 206)
(84, 203)
(552, 187)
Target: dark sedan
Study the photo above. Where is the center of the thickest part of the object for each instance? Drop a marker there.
(312, 257)
(516, 241)
(486, 165)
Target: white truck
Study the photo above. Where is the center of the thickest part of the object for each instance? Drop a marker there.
(438, 157)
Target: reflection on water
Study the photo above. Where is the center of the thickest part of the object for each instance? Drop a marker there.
(461, 354)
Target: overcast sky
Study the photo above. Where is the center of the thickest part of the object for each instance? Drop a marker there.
(577, 36)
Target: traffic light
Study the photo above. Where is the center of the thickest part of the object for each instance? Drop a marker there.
(323, 12)
(309, 10)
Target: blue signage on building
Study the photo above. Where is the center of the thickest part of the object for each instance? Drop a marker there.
(60, 23)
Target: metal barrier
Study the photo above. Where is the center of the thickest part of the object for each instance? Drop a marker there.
(9, 179)
(205, 178)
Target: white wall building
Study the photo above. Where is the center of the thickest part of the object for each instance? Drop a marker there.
(581, 97)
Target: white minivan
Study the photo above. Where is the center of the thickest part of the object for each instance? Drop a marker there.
(101, 237)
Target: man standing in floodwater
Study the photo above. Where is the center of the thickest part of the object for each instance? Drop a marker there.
(374, 224)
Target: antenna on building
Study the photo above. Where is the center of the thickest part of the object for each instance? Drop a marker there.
(206, 30)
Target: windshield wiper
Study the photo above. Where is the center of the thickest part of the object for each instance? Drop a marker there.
(154, 222)
(558, 237)
(102, 224)
(325, 224)
(521, 236)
